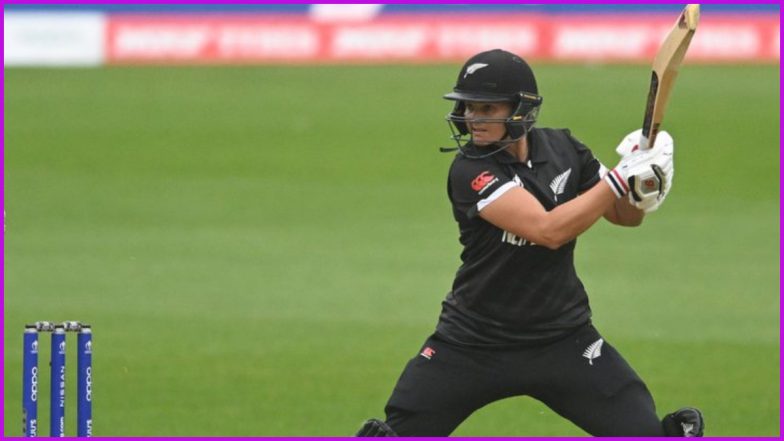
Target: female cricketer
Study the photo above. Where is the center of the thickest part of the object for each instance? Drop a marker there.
(517, 321)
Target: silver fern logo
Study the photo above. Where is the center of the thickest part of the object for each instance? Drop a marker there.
(558, 185)
(594, 351)
(473, 68)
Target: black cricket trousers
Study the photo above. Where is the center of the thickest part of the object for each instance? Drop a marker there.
(582, 379)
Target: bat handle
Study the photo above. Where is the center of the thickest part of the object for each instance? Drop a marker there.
(647, 142)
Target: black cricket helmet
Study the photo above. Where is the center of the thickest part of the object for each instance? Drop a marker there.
(495, 76)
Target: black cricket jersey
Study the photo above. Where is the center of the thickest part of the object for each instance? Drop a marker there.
(508, 290)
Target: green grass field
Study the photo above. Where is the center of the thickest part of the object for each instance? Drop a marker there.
(260, 250)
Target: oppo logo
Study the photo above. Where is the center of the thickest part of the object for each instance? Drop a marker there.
(34, 384)
(88, 382)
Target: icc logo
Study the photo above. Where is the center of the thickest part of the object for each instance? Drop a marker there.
(61, 350)
(34, 348)
(88, 348)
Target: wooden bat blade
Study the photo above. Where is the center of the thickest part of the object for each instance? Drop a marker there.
(665, 69)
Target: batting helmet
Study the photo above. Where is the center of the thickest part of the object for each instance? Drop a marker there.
(496, 76)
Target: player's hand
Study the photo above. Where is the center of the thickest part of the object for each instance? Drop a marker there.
(650, 185)
(645, 174)
(633, 164)
(629, 144)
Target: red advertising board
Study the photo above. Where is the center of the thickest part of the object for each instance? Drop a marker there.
(238, 39)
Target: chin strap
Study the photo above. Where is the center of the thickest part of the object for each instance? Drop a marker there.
(457, 137)
(502, 145)
(461, 146)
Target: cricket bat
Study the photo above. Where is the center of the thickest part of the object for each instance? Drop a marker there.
(665, 69)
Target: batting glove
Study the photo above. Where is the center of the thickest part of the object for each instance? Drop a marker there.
(618, 178)
(629, 144)
(650, 185)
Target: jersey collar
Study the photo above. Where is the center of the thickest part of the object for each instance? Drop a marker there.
(537, 150)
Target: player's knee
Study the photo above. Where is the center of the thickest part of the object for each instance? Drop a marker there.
(374, 427)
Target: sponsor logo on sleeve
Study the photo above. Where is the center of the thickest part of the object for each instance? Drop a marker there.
(483, 182)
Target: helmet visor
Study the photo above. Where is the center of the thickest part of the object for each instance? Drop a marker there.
(479, 97)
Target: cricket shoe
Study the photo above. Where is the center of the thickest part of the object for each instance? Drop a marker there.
(686, 422)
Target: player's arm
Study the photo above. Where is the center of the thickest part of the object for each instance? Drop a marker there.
(521, 214)
(623, 213)
(631, 214)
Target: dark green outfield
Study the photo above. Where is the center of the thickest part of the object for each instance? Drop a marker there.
(260, 250)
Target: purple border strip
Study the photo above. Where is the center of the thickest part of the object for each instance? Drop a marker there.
(403, 2)
(2, 424)
(421, 8)
(781, 162)
(781, 187)
(97, 2)
(3, 239)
